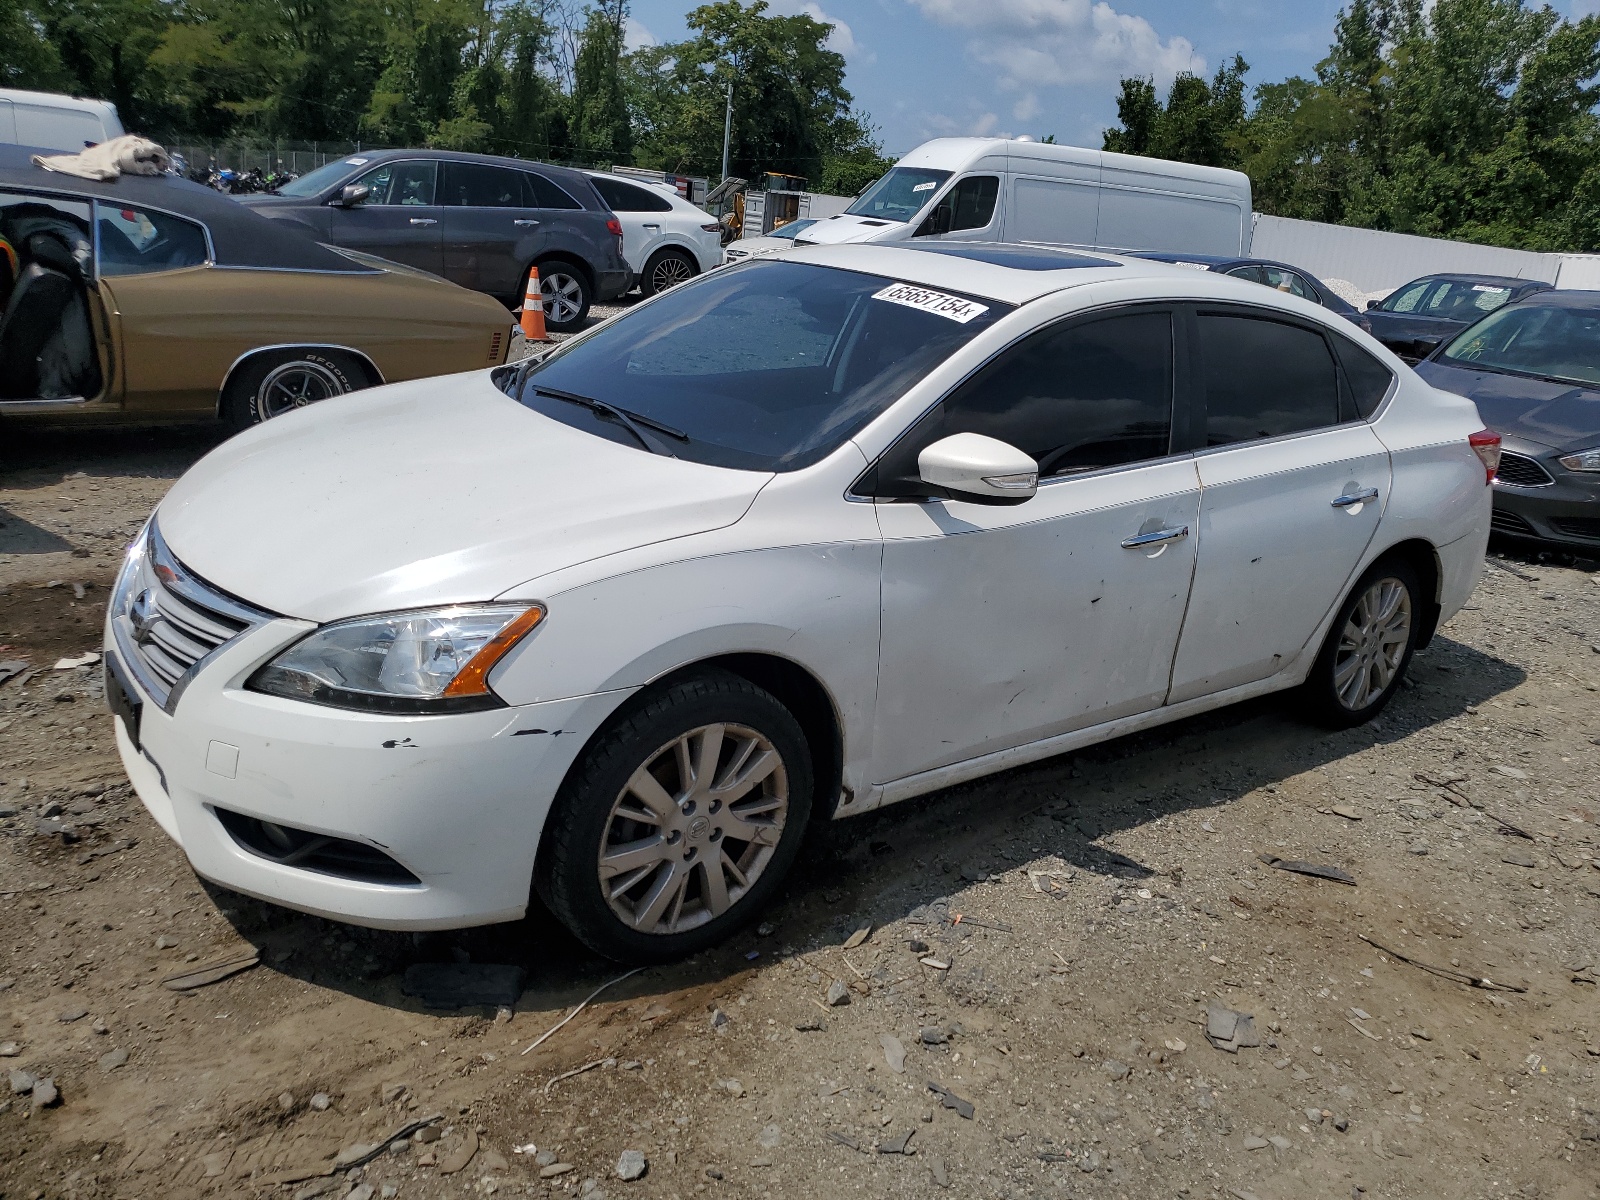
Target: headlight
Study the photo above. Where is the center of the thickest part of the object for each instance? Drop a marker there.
(1583, 460)
(429, 661)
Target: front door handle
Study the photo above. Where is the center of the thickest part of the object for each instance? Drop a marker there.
(1351, 499)
(524, 223)
(423, 221)
(1160, 537)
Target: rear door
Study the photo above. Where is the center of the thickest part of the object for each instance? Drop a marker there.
(399, 220)
(641, 213)
(492, 229)
(1290, 495)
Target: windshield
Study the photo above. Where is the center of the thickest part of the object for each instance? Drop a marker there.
(899, 195)
(314, 183)
(1533, 339)
(1450, 299)
(769, 366)
(792, 228)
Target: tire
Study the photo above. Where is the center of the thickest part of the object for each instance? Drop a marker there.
(666, 269)
(1369, 647)
(660, 903)
(277, 381)
(567, 294)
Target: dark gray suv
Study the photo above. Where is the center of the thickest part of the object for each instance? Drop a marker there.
(476, 220)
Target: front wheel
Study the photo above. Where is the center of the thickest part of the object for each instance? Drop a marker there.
(566, 295)
(1368, 649)
(680, 822)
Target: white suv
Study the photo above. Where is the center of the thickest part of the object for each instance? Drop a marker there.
(804, 537)
(665, 239)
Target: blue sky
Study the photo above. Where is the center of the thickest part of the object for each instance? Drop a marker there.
(926, 68)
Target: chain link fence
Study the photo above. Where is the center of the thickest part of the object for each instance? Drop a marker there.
(295, 158)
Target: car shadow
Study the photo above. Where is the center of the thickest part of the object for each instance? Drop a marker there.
(32, 458)
(908, 860)
(21, 536)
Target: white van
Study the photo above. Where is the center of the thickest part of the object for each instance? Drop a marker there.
(997, 190)
(53, 122)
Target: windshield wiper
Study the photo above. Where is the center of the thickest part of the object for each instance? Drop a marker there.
(628, 420)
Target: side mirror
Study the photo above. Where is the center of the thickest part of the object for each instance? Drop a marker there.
(983, 470)
(353, 194)
(1369, 305)
(936, 222)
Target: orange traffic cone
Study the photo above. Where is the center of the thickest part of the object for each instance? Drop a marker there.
(533, 309)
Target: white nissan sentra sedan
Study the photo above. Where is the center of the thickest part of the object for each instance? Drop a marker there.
(794, 540)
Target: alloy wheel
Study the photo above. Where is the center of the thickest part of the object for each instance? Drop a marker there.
(563, 297)
(295, 385)
(694, 828)
(669, 271)
(1372, 645)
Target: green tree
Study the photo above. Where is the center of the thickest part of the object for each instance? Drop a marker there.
(27, 56)
(600, 126)
(1199, 123)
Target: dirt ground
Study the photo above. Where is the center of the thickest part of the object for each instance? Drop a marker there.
(1043, 945)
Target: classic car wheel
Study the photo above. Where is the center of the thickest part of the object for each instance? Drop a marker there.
(679, 822)
(279, 381)
(667, 269)
(1369, 647)
(566, 295)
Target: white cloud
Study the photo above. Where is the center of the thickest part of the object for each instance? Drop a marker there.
(976, 125)
(635, 36)
(841, 40)
(1027, 108)
(1054, 43)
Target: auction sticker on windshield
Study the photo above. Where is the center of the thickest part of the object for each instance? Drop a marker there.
(952, 308)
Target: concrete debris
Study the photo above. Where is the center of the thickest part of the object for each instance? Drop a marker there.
(1301, 867)
(894, 1054)
(838, 994)
(631, 1165)
(320, 1101)
(961, 1107)
(1229, 1030)
(862, 933)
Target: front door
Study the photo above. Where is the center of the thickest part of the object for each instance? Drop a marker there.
(967, 212)
(1005, 625)
(399, 220)
(1290, 499)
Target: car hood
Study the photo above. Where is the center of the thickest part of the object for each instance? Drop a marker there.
(439, 491)
(830, 231)
(1562, 416)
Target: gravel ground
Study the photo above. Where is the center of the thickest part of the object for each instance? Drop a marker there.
(1043, 945)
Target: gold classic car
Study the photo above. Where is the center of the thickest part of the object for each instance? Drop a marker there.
(153, 300)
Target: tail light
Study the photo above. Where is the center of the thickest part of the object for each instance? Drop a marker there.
(1486, 445)
(712, 228)
(614, 226)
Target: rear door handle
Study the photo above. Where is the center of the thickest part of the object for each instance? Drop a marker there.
(423, 221)
(524, 223)
(648, 225)
(1351, 499)
(1159, 538)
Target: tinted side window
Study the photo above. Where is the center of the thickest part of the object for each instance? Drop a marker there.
(1368, 378)
(473, 185)
(401, 182)
(1264, 379)
(1408, 299)
(136, 241)
(1087, 396)
(1252, 273)
(544, 194)
(968, 205)
(1286, 281)
(624, 197)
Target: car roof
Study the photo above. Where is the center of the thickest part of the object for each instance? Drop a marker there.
(239, 237)
(569, 174)
(998, 271)
(1563, 298)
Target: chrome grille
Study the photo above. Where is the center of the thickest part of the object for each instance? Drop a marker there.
(1521, 471)
(168, 621)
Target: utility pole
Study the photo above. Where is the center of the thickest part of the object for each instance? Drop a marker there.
(727, 130)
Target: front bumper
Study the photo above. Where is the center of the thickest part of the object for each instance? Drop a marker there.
(1565, 511)
(459, 801)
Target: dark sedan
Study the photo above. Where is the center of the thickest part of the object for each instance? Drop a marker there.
(1533, 369)
(1276, 275)
(476, 220)
(1413, 320)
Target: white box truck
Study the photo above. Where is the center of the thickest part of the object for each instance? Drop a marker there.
(53, 122)
(1000, 190)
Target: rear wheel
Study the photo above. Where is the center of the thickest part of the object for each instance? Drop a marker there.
(566, 295)
(679, 823)
(279, 381)
(666, 269)
(1364, 660)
